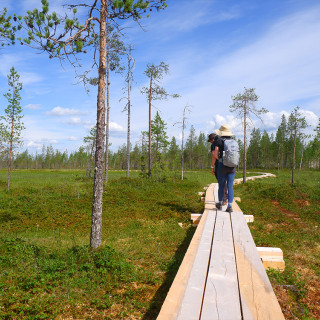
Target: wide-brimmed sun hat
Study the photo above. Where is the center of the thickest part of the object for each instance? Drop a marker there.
(224, 131)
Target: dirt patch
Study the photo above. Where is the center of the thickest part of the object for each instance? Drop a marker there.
(286, 302)
(312, 299)
(302, 203)
(288, 213)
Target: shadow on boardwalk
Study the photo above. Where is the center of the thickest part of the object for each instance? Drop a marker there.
(160, 295)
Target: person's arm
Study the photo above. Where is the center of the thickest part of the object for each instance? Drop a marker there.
(215, 154)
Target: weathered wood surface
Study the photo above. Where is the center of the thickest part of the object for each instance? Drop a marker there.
(257, 297)
(192, 300)
(221, 296)
(172, 303)
(221, 276)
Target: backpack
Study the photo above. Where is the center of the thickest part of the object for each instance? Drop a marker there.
(230, 157)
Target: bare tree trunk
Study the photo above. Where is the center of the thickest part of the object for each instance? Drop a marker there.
(106, 169)
(300, 165)
(150, 101)
(11, 139)
(10, 161)
(129, 106)
(245, 145)
(90, 161)
(294, 154)
(182, 145)
(96, 224)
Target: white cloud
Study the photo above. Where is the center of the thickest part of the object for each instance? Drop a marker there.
(33, 144)
(30, 78)
(32, 106)
(115, 127)
(72, 138)
(75, 120)
(54, 141)
(58, 111)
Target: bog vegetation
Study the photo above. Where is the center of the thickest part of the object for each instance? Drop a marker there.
(49, 271)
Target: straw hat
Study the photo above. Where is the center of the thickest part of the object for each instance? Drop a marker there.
(224, 131)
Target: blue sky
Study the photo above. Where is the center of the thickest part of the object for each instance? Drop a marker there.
(214, 49)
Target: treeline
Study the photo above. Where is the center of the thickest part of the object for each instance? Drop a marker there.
(264, 151)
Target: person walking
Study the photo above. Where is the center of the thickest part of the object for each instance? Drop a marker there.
(212, 138)
(226, 174)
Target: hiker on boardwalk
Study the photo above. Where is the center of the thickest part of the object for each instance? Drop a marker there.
(212, 138)
(226, 152)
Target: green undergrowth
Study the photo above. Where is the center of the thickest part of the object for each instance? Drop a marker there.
(288, 216)
(47, 270)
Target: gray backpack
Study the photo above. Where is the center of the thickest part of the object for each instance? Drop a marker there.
(231, 155)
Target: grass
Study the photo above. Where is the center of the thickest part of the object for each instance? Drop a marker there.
(48, 272)
(288, 216)
(46, 267)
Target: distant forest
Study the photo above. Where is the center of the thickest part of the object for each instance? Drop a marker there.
(264, 151)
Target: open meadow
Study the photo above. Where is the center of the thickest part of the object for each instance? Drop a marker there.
(48, 272)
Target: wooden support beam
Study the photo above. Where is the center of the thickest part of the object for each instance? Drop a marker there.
(195, 217)
(271, 258)
(249, 217)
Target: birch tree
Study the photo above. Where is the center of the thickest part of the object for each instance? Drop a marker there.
(11, 127)
(69, 38)
(244, 105)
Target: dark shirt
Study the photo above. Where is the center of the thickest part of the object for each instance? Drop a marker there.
(213, 144)
(220, 144)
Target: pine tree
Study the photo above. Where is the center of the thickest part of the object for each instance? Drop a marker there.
(7, 30)
(12, 126)
(244, 105)
(153, 92)
(66, 38)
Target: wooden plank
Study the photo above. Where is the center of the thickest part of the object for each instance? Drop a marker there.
(172, 303)
(209, 201)
(192, 300)
(258, 300)
(221, 298)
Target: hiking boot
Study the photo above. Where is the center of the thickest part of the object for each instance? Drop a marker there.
(218, 206)
(229, 209)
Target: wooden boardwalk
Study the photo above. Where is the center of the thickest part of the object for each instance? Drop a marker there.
(222, 276)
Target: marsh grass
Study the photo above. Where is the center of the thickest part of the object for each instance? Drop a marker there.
(46, 267)
(47, 270)
(288, 216)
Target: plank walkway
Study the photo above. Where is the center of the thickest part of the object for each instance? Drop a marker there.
(222, 276)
